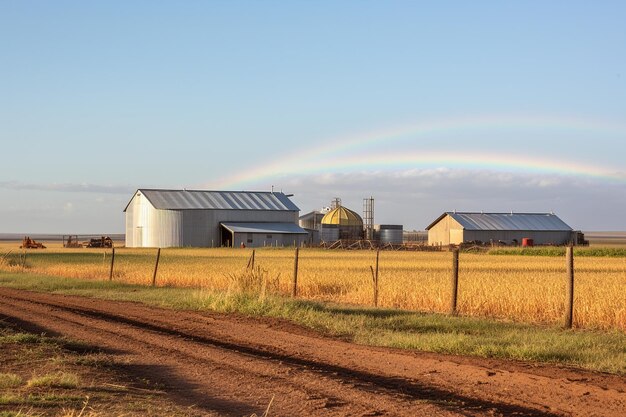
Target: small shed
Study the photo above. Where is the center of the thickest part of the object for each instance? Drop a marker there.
(263, 234)
(454, 228)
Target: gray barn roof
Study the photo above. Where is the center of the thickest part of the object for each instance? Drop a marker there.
(507, 221)
(217, 200)
(286, 228)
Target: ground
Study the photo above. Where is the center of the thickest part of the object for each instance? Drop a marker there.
(195, 363)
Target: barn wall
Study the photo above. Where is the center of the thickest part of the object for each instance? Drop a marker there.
(445, 230)
(272, 239)
(540, 237)
(202, 227)
(457, 236)
(130, 224)
(149, 227)
(198, 230)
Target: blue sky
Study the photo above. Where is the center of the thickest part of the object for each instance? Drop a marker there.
(100, 98)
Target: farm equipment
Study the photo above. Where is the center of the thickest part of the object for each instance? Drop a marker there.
(580, 239)
(28, 243)
(101, 242)
(71, 241)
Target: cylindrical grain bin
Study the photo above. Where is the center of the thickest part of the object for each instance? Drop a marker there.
(389, 233)
(528, 242)
(341, 223)
(329, 233)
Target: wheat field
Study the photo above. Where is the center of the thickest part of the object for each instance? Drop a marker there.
(518, 288)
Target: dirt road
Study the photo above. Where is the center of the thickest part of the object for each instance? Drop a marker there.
(234, 366)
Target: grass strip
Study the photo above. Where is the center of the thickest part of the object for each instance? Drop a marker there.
(555, 251)
(594, 350)
(56, 380)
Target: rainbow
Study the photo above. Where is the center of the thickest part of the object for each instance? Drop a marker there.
(354, 152)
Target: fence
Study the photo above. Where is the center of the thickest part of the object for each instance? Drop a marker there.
(532, 290)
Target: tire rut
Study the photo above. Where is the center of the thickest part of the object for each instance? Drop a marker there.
(229, 366)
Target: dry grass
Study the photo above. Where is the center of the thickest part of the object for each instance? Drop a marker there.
(529, 289)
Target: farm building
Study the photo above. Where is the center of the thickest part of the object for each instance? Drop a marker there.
(453, 228)
(177, 218)
(311, 222)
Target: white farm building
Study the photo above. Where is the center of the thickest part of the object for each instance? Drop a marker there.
(454, 228)
(198, 218)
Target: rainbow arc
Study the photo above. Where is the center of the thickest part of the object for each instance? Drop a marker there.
(354, 152)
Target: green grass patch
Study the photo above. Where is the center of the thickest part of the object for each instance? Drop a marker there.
(10, 381)
(55, 380)
(46, 400)
(20, 338)
(560, 251)
(594, 350)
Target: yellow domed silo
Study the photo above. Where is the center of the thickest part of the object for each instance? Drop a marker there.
(341, 223)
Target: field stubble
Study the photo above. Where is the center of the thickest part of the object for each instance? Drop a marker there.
(526, 289)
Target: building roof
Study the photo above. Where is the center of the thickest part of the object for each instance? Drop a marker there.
(342, 216)
(217, 200)
(312, 214)
(278, 228)
(548, 222)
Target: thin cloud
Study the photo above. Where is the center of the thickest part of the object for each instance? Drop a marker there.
(67, 187)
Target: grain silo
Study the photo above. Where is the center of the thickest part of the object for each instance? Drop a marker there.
(389, 233)
(341, 223)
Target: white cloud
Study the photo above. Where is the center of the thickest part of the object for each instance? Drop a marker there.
(414, 197)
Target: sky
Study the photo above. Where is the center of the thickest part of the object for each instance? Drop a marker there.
(426, 106)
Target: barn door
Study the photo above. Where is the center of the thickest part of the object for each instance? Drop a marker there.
(138, 237)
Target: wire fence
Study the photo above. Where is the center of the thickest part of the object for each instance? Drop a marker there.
(586, 292)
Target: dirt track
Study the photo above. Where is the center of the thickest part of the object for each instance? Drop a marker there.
(230, 365)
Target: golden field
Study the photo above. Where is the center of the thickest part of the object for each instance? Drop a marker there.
(520, 288)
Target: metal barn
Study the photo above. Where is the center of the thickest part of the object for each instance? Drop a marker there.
(454, 228)
(198, 218)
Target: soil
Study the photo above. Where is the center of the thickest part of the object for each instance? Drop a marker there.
(217, 364)
(99, 389)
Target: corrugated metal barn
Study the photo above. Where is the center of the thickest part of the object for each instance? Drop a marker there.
(453, 228)
(198, 218)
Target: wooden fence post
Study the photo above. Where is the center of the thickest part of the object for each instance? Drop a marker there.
(455, 282)
(294, 289)
(569, 291)
(251, 261)
(112, 262)
(156, 267)
(375, 278)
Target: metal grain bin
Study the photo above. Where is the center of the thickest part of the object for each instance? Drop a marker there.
(389, 233)
(329, 233)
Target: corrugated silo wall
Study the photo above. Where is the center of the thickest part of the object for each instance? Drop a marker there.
(149, 227)
(389, 234)
(329, 233)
